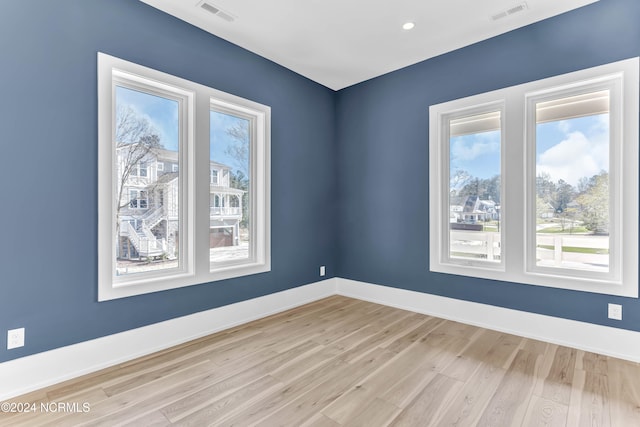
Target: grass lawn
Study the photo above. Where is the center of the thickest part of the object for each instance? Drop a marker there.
(578, 249)
(558, 229)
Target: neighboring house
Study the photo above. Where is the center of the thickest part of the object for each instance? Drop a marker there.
(473, 209)
(149, 206)
(546, 211)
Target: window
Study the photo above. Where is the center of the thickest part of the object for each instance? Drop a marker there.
(230, 145)
(137, 200)
(474, 146)
(538, 183)
(152, 233)
(214, 177)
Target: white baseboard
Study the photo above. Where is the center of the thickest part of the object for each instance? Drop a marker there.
(40, 370)
(29, 373)
(620, 343)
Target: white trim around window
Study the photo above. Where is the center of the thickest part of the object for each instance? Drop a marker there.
(520, 259)
(179, 230)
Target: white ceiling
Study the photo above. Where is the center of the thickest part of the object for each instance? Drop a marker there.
(338, 43)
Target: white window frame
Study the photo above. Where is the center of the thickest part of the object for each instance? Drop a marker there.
(487, 105)
(518, 182)
(194, 181)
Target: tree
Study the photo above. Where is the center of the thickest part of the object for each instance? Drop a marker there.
(563, 196)
(458, 180)
(593, 203)
(134, 139)
(239, 151)
(545, 188)
(485, 189)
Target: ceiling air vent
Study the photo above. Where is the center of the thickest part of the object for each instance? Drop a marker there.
(217, 11)
(512, 10)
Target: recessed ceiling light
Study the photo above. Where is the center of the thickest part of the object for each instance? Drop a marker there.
(408, 25)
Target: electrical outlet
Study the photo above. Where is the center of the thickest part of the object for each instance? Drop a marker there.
(615, 311)
(15, 338)
(322, 271)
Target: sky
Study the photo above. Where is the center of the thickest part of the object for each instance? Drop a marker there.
(572, 149)
(162, 114)
(566, 149)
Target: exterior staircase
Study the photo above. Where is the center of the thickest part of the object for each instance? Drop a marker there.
(145, 242)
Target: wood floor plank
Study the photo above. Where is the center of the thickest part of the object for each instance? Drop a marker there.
(545, 413)
(146, 397)
(466, 407)
(594, 406)
(414, 335)
(557, 384)
(274, 401)
(344, 362)
(430, 403)
(376, 412)
(502, 353)
(218, 387)
(511, 399)
(625, 393)
(302, 408)
(351, 402)
(228, 404)
(320, 420)
(469, 359)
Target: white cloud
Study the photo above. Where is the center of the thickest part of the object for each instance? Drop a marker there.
(575, 157)
(462, 150)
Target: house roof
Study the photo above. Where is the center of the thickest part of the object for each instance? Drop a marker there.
(172, 156)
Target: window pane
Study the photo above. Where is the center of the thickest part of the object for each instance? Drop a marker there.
(572, 182)
(147, 199)
(229, 217)
(474, 187)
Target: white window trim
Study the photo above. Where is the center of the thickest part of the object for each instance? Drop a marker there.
(194, 182)
(517, 263)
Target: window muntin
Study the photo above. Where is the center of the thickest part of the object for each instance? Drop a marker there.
(578, 102)
(173, 193)
(474, 187)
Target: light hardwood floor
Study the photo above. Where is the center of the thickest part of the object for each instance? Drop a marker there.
(345, 362)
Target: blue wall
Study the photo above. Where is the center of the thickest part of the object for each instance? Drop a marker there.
(349, 169)
(383, 155)
(48, 140)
